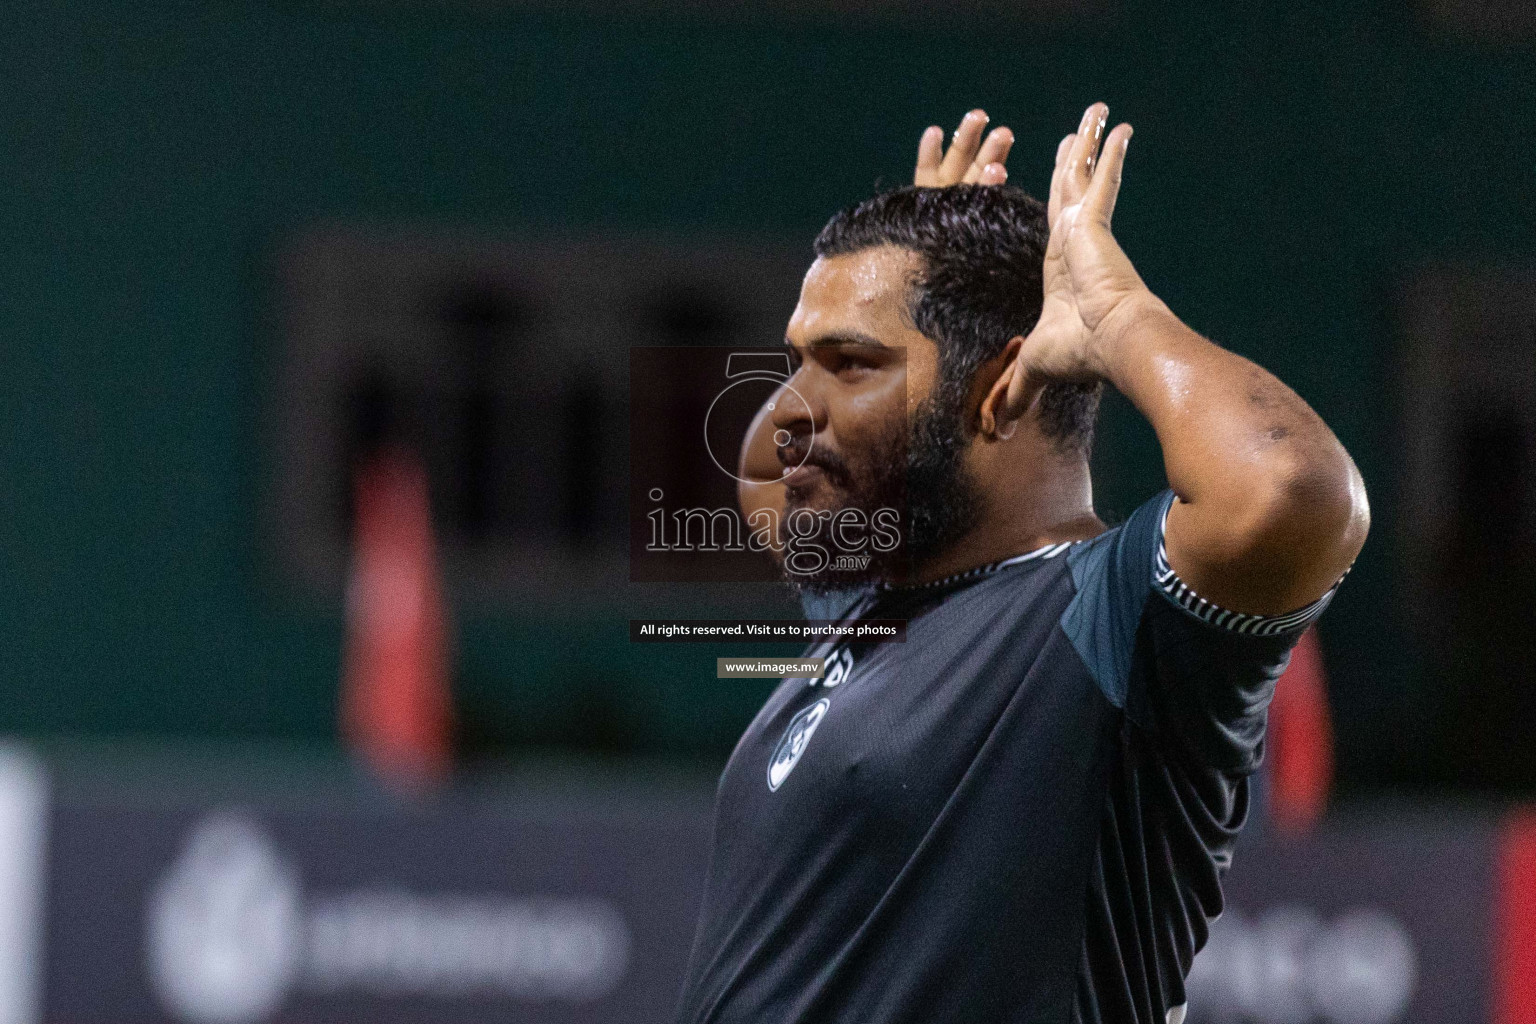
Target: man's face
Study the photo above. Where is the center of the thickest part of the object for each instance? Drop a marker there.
(861, 434)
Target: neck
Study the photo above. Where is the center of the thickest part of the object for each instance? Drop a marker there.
(1022, 510)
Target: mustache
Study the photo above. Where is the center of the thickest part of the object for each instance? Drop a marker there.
(799, 451)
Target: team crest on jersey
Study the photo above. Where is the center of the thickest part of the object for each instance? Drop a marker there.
(796, 736)
(837, 668)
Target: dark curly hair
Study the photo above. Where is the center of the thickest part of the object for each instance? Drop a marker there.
(982, 249)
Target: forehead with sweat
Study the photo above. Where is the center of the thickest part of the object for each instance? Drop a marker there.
(864, 294)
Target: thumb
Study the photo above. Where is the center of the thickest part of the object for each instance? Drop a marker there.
(1024, 389)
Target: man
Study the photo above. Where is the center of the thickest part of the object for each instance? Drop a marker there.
(1023, 812)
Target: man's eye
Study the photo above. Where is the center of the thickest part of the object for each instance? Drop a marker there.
(854, 366)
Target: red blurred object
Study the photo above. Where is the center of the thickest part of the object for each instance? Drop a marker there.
(1300, 741)
(1514, 1000)
(395, 704)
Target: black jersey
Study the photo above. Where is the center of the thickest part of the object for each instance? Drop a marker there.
(1022, 813)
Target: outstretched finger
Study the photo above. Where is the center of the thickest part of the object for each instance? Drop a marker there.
(930, 151)
(993, 151)
(1084, 151)
(1100, 201)
(993, 174)
(963, 149)
(1053, 204)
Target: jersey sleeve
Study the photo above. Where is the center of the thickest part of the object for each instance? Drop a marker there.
(1113, 575)
(1197, 676)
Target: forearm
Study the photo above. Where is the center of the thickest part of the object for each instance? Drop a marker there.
(1272, 509)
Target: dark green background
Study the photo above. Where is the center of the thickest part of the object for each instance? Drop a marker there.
(1289, 167)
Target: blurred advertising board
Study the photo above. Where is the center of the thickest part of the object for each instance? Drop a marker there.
(1385, 923)
(562, 904)
(250, 902)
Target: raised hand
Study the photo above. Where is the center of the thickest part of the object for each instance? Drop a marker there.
(969, 161)
(1088, 280)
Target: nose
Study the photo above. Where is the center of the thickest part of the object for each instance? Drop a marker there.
(759, 461)
(797, 408)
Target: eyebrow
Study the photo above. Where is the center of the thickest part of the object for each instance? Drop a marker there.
(839, 339)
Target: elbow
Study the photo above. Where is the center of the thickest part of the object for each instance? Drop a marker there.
(1287, 533)
(1359, 512)
(1317, 506)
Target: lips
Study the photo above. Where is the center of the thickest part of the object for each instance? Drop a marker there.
(805, 464)
(802, 466)
(804, 475)
(794, 453)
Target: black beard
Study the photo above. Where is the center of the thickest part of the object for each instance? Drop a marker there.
(922, 475)
(943, 504)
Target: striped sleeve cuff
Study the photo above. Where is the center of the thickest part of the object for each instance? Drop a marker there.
(1177, 591)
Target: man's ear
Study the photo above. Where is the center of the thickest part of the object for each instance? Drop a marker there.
(993, 422)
